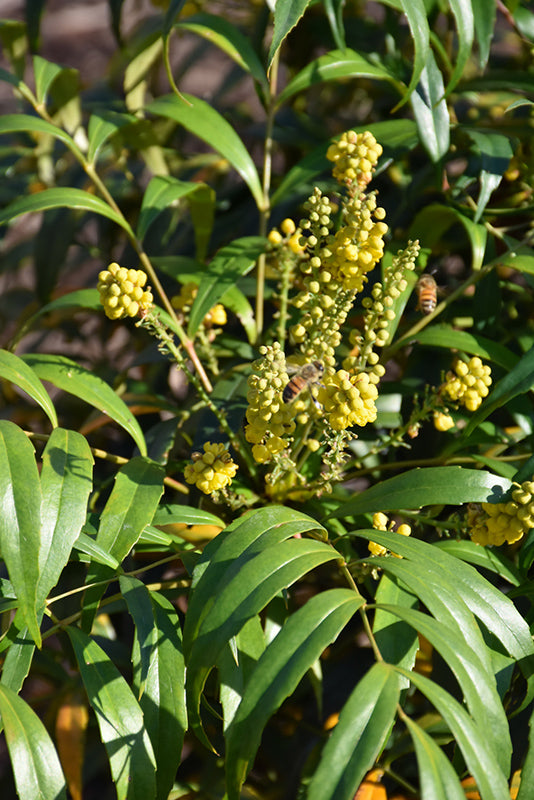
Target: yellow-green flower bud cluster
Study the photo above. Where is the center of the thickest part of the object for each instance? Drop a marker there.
(443, 422)
(355, 156)
(382, 523)
(497, 523)
(468, 384)
(122, 291)
(347, 400)
(291, 238)
(184, 301)
(270, 421)
(211, 470)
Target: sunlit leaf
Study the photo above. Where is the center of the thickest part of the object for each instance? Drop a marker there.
(14, 369)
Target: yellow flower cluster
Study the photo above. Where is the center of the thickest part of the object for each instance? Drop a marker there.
(292, 237)
(183, 302)
(211, 470)
(355, 156)
(348, 400)
(269, 420)
(443, 422)
(382, 523)
(497, 523)
(122, 291)
(469, 383)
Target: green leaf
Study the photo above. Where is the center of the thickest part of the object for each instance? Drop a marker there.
(45, 73)
(202, 120)
(20, 651)
(496, 151)
(120, 720)
(168, 514)
(465, 25)
(230, 40)
(278, 672)
(87, 545)
(485, 14)
(66, 481)
(416, 15)
(437, 777)
(479, 688)
(287, 13)
(527, 771)
(72, 378)
(471, 739)
(15, 123)
(230, 263)
(163, 701)
(519, 380)
(14, 369)
(161, 192)
(396, 640)
(334, 66)
(103, 125)
(431, 111)
(424, 487)
(434, 220)
(20, 501)
(137, 598)
(450, 339)
(236, 666)
(364, 725)
(34, 759)
(61, 197)
(485, 557)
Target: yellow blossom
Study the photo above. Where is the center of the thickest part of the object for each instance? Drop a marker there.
(355, 156)
(443, 422)
(497, 523)
(469, 383)
(348, 400)
(212, 470)
(122, 291)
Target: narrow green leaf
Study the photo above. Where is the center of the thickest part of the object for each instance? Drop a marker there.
(236, 666)
(527, 771)
(485, 14)
(431, 111)
(450, 339)
(425, 487)
(471, 739)
(496, 151)
(465, 25)
(61, 197)
(66, 481)
(230, 263)
(202, 120)
(168, 514)
(15, 123)
(396, 640)
(281, 667)
(163, 191)
(20, 651)
(230, 40)
(479, 689)
(103, 125)
(14, 369)
(364, 725)
(34, 759)
(437, 777)
(86, 544)
(434, 220)
(72, 378)
(287, 13)
(519, 380)
(485, 557)
(137, 598)
(45, 73)
(416, 15)
(163, 701)
(334, 66)
(20, 501)
(120, 720)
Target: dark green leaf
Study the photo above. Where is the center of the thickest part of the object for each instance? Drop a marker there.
(485, 13)
(287, 13)
(438, 780)
(168, 514)
(485, 557)
(14, 123)
(465, 25)
(163, 191)
(496, 151)
(434, 220)
(396, 640)
(450, 339)
(137, 598)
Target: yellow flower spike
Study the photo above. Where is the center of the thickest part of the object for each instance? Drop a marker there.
(348, 400)
(122, 291)
(500, 523)
(212, 470)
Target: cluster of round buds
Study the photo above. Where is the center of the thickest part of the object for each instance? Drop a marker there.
(468, 384)
(443, 422)
(355, 156)
(211, 470)
(348, 400)
(122, 291)
(183, 302)
(269, 420)
(382, 523)
(288, 235)
(497, 523)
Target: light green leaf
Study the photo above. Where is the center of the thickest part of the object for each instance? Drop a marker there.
(486, 557)
(335, 66)
(45, 73)
(20, 651)
(236, 665)
(20, 501)
(14, 369)
(364, 725)
(396, 640)
(87, 545)
(120, 720)
(34, 759)
(485, 14)
(416, 15)
(168, 514)
(137, 598)
(202, 120)
(431, 111)
(72, 378)
(61, 197)
(14, 123)
(424, 487)
(230, 264)
(102, 125)
(66, 481)
(279, 670)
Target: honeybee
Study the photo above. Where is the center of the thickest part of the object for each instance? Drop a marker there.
(427, 294)
(307, 376)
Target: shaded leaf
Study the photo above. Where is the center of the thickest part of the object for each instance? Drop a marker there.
(14, 123)
(431, 111)
(287, 13)
(447, 337)
(434, 220)
(163, 191)
(438, 779)
(103, 125)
